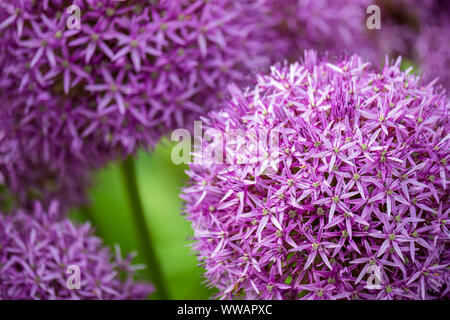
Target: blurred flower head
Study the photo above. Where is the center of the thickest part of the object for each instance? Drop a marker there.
(417, 29)
(131, 72)
(292, 26)
(358, 207)
(37, 250)
(432, 44)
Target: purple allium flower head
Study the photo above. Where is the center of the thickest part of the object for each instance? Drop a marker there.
(36, 251)
(360, 189)
(134, 71)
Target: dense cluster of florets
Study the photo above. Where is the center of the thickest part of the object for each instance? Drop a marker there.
(354, 195)
(36, 254)
(133, 71)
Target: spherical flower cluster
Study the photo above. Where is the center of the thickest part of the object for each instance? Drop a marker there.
(131, 72)
(36, 254)
(352, 202)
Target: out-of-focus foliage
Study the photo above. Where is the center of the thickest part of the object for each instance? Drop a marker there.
(159, 182)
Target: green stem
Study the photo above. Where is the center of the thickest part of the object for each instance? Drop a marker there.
(86, 212)
(129, 174)
(88, 216)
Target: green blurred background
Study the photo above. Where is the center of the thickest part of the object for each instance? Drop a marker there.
(159, 182)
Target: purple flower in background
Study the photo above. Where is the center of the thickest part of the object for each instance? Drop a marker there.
(37, 252)
(74, 99)
(31, 172)
(432, 48)
(417, 29)
(357, 204)
(292, 26)
(432, 44)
